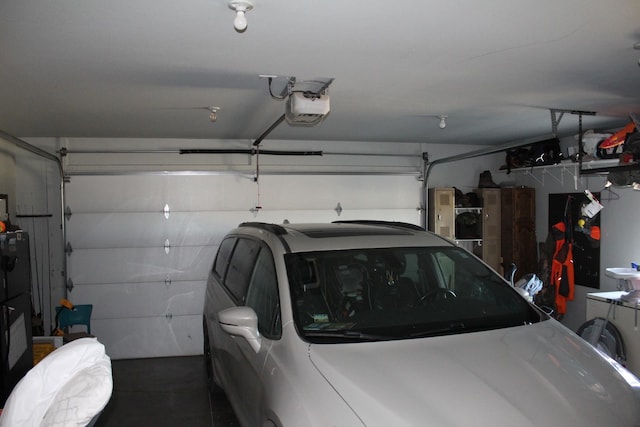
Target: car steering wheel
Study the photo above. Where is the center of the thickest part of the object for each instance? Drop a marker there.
(443, 294)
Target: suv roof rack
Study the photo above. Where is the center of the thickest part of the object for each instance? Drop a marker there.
(399, 224)
(272, 228)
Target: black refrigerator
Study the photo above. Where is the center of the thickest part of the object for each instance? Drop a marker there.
(16, 343)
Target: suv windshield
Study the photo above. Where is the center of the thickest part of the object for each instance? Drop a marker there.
(399, 293)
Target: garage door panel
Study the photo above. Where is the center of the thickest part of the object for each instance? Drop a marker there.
(293, 216)
(116, 193)
(145, 230)
(150, 193)
(132, 338)
(277, 192)
(135, 265)
(134, 300)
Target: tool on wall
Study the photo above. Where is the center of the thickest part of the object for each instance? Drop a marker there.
(588, 213)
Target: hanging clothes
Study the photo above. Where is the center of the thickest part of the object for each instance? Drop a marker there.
(562, 273)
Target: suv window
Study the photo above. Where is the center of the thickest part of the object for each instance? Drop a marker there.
(263, 297)
(224, 253)
(240, 268)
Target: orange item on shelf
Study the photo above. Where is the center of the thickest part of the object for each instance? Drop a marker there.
(618, 137)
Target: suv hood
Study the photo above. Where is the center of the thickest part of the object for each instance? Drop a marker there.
(541, 374)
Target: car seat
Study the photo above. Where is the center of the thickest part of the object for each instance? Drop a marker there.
(351, 284)
(407, 294)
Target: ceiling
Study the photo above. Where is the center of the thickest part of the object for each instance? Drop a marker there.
(149, 68)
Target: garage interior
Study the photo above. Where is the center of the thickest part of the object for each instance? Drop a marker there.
(134, 135)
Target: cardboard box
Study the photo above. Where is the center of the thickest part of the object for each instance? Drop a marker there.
(42, 346)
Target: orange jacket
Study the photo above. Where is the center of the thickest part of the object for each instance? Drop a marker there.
(562, 274)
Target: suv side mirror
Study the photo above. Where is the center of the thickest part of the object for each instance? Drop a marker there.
(242, 322)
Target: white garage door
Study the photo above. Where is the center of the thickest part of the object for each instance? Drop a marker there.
(142, 245)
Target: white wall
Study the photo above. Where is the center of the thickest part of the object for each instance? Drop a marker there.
(620, 241)
(33, 186)
(462, 174)
(38, 212)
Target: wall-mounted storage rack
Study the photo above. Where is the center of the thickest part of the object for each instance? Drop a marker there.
(559, 172)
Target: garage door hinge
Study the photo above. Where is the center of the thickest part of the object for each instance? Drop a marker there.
(168, 315)
(338, 209)
(167, 211)
(69, 284)
(167, 247)
(67, 213)
(68, 249)
(167, 281)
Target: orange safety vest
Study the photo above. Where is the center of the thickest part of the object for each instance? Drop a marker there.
(562, 274)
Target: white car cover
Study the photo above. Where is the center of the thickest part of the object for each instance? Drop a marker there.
(69, 387)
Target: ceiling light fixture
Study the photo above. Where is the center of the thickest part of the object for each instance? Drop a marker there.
(443, 122)
(241, 7)
(213, 113)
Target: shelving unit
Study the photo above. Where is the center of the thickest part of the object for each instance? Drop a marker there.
(473, 210)
(472, 244)
(560, 171)
(442, 221)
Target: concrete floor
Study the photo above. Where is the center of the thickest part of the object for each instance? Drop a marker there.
(161, 392)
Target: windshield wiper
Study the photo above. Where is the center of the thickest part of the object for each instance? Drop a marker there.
(351, 335)
(471, 326)
(452, 328)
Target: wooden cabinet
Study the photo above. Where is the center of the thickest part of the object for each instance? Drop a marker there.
(441, 212)
(519, 244)
(485, 242)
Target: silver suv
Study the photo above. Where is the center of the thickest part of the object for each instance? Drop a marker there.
(381, 323)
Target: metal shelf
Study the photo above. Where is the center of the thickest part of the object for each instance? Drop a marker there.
(571, 169)
(477, 210)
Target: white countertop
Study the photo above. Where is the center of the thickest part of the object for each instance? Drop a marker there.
(611, 296)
